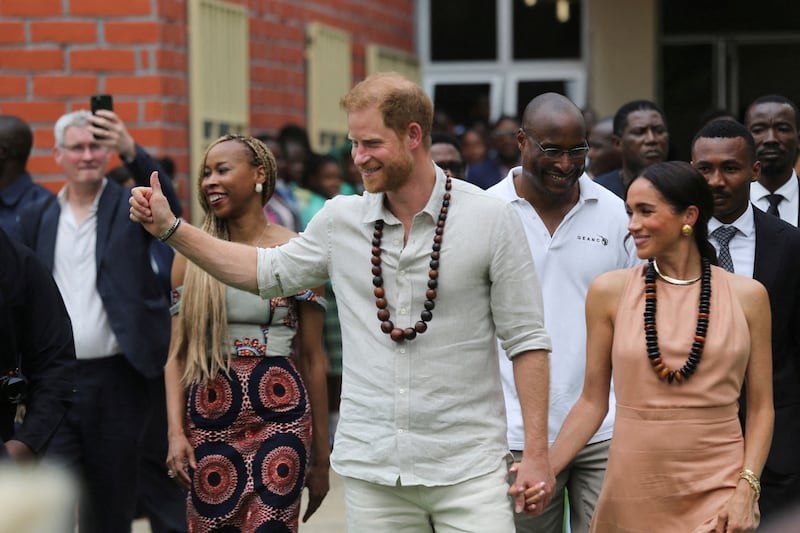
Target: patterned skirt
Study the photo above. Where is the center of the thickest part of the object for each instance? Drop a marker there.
(251, 435)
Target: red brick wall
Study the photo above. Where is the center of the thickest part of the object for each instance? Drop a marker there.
(55, 53)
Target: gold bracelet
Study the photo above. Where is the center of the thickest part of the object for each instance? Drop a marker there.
(168, 233)
(750, 476)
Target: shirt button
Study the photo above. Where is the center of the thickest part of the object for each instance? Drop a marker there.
(396, 242)
(402, 272)
(403, 311)
(402, 350)
(402, 391)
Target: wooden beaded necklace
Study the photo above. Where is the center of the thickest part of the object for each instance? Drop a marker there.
(651, 334)
(387, 326)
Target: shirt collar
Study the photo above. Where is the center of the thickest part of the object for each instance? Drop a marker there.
(788, 190)
(62, 195)
(587, 192)
(745, 223)
(376, 208)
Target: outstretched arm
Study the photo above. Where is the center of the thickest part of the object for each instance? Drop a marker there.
(231, 263)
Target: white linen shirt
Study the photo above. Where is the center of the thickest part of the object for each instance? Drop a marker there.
(427, 411)
(589, 241)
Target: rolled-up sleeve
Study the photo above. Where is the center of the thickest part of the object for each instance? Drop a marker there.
(516, 296)
(302, 263)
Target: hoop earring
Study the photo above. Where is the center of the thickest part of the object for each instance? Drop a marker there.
(687, 230)
(259, 187)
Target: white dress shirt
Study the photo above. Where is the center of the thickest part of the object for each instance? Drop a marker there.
(742, 245)
(789, 206)
(427, 411)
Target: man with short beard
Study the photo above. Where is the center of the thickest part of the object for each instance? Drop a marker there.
(640, 130)
(419, 442)
(576, 230)
(773, 122)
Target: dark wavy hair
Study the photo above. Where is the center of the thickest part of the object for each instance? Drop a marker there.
(682, 186)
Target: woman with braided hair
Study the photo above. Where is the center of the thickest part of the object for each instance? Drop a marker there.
(245, 377)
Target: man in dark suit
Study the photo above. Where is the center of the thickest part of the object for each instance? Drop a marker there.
(101, 263)
(768, 249)
(640, 131)
(37, 355)
(774, 122)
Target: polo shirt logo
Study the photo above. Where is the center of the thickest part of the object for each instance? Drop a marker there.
(599, 239)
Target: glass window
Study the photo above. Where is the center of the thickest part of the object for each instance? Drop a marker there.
(688, 84)
(704, 16)
(538, 34)
(465, 104)
(528, 90)
(462, 32)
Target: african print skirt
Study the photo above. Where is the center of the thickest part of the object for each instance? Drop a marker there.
(251, 436)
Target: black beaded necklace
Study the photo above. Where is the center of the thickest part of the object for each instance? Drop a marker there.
(387, 326)
(651, 335)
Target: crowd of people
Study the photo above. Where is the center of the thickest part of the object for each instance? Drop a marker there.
(516, 328)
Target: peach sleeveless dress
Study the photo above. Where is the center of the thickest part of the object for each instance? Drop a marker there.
(677, 448)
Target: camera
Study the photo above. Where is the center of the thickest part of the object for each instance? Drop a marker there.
(13, 387)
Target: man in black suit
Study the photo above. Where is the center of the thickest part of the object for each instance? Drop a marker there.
(774, 122)
(768, 249)
(37, 355)
(101, 263)
(640, 132)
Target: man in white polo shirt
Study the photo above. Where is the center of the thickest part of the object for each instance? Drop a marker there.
(576, 229)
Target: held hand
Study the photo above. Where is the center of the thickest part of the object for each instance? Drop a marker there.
(741, 513)
(150, 208)
(110, 131)
(318, 485)
(534, 484)
(180, 459)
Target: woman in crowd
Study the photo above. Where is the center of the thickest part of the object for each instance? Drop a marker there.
(681, 336)
(240, 410)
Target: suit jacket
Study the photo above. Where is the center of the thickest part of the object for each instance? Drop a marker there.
(134, 300)
(37, 335)
(777, 267)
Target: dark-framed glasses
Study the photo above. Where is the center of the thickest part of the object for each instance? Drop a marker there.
(578, 152)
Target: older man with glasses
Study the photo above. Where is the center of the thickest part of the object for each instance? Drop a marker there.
(575, 230)
(100, 261)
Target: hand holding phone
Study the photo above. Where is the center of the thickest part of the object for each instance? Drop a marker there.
(101, 101)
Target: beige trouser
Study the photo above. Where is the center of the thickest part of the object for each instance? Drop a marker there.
(476, 505)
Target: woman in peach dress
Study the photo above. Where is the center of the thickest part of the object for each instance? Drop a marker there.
(680, 337)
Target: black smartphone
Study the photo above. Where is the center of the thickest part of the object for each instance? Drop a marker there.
(101, 101)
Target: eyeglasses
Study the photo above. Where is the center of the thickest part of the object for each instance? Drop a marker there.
(579, 152)
(79, 149)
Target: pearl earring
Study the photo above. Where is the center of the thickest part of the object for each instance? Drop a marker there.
(259, 187)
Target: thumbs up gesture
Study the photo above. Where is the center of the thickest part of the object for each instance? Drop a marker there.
(150, 208)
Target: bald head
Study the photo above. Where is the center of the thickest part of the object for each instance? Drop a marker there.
(549, 108)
